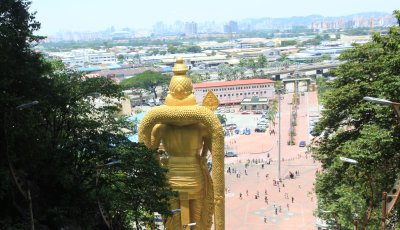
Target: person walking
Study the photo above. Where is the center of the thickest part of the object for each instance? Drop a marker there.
(292, 199)
(265, 219)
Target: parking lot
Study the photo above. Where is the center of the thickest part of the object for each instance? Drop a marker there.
(242, 121)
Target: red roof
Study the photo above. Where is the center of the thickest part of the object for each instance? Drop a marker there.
(231, 83)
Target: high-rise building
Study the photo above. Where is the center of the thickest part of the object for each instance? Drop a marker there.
(190, 28)
(231, 27)
(159, 28)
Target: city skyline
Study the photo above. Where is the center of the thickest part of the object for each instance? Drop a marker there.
(90, 16)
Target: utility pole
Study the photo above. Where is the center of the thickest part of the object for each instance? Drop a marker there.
(383, 216)
(279, 141)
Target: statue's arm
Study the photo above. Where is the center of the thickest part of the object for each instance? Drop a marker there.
(156, 136)
(206, 142)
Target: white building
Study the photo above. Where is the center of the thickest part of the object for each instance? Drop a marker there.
(82, 57)
(233, 92)
(101, 57)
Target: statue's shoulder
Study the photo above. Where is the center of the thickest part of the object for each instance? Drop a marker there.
(203, 129)
(159, 127)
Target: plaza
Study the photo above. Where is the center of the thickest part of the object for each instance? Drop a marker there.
(253, 199)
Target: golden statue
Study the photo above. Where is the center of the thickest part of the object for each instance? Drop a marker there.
(187, 132)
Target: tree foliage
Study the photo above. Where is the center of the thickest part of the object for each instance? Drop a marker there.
(59, 149)
(184, 49)
(148, 80)
(353, 128)
(222, 118)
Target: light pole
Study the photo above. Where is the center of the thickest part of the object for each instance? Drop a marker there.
(394, 105)
(188, 225)
(27, 105)
(371, 202)
(394, 194)
(334, 216)
(18, 182)
(173, 212)
(279, 136)
(99, 169)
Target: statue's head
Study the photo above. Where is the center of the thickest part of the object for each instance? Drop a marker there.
(180, 88)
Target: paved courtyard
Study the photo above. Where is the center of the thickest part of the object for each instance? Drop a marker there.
(253, 201)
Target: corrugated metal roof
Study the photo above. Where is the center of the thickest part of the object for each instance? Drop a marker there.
(231, 83)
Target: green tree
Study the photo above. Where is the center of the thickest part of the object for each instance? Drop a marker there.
(54, 154)
(369, 133)
(172, 49)
(20, 77)
(196, 77)
(289, 43)
(283, 57)
(120, 58)
(222, 118)
(153, 51)
(314, 41)
(223, 71)
(326, 37)
(325, 57)
(242, 62)
(262, 61)
(148, 80)
(253, 66)
(193, 49)
(322, 86)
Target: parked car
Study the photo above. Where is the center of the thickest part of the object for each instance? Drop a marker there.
(230, 154)
(259, 130)
(230, 126)
(302, 144)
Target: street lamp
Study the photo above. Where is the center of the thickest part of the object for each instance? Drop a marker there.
(395, 105)
(348, 160)
(99, 169)
(173, 212)
(189, 225)
(18, 182)
(334, 216)
(27, 105)
(394, 194)
(279, 136)
(371, 202)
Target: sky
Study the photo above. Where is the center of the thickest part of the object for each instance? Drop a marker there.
(95, 15)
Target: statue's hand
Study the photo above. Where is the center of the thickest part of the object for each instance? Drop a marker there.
(164, 160)
(218, 200)
(203, 160)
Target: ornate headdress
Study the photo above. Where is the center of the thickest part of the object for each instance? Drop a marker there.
(180, 88)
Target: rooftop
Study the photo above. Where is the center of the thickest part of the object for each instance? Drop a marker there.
(232, 83)
(255, 100)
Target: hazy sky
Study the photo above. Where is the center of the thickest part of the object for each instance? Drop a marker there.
(94, 15)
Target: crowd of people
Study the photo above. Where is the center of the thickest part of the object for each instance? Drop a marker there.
(244, 169)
